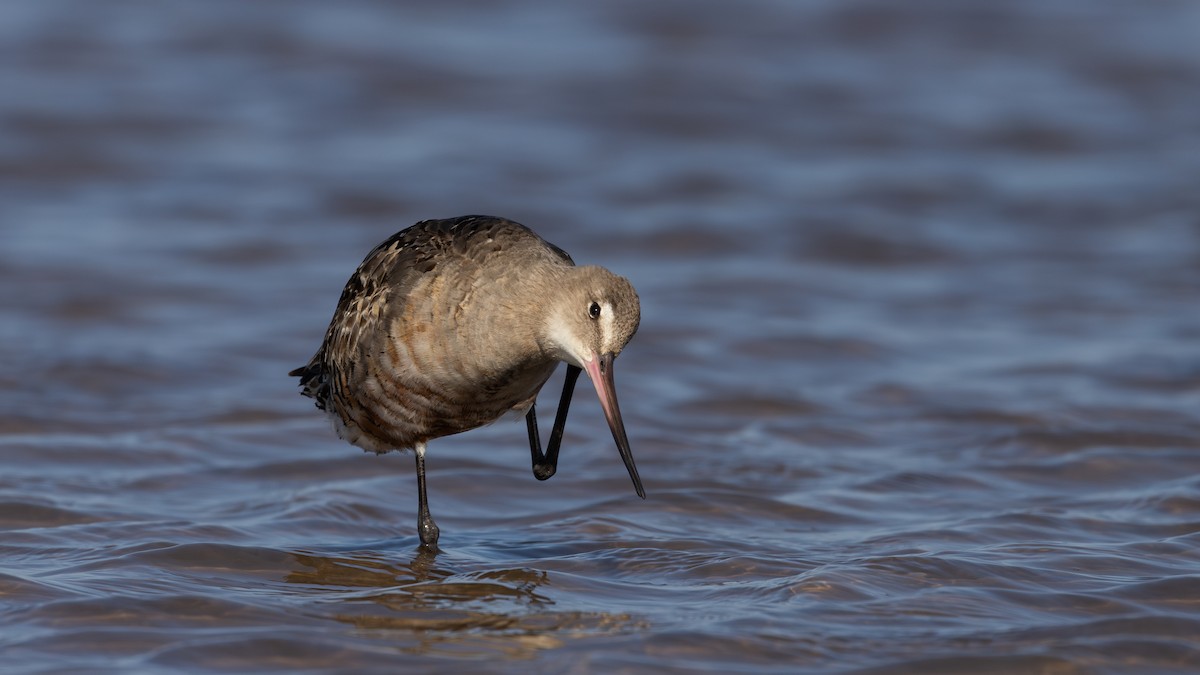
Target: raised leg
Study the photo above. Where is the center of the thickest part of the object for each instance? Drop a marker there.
(544, 465)
(426, 528)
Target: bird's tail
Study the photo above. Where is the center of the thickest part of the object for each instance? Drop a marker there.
(313, 382)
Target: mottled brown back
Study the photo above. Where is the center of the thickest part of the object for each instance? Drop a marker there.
(348, 368)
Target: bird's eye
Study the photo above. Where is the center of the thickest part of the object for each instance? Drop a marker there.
(594, 310)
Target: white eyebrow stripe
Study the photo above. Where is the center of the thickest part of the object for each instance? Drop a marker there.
(606, 325)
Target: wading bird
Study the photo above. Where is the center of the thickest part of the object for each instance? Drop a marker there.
(450, 324)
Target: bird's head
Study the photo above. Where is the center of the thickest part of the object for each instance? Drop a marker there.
(592, 314)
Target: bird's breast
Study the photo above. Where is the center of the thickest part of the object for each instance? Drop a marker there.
(436, 374)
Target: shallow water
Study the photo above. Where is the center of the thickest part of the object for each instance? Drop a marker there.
(916, 387)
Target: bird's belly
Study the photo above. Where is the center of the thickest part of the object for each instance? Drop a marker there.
(392, 412)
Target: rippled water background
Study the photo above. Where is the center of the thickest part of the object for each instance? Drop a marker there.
(917, 387)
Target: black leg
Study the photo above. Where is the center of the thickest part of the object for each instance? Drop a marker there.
(544, 465)
(560, 417)
(426, 528)
(535, 445)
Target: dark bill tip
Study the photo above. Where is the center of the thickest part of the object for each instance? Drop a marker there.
(601, 373)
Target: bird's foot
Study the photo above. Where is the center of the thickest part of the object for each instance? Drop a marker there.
(543, 471)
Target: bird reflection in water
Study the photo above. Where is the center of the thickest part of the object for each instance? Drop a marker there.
(499, 612)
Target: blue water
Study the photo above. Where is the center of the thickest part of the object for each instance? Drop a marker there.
(916, 388)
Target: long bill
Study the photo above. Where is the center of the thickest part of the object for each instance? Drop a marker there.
(600, 370)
